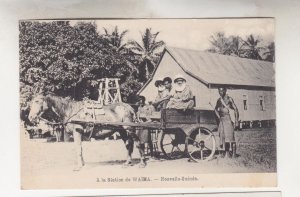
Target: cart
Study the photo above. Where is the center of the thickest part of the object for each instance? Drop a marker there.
(188, 133)
(180, 132)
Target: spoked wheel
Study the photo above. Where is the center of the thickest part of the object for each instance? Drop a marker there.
(172, 144)
(201, 144)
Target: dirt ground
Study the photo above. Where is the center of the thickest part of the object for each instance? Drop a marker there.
(256, 149)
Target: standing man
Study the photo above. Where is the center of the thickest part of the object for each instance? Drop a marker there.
(144, 110)
(228, 115)
(145, 134)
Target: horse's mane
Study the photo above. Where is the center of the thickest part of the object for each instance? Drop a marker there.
(62, 105)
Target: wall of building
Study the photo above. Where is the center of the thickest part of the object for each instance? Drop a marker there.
(254, 110)
(206, 98)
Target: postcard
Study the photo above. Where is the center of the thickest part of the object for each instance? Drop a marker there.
(147, 103)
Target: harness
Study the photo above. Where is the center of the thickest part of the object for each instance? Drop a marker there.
(58, 123)
(89, 108)
(67, 121)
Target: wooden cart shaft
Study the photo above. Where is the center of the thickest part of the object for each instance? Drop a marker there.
(170, 118)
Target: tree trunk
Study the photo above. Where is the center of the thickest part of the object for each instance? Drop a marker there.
(146, 71)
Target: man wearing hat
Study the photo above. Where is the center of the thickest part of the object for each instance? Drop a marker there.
(162, 97)
(182, 97)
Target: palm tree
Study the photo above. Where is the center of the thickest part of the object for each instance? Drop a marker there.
(232, 45)
(116, 38)
(270, 53)
(147, 53)
(220, 44)
(252, 49)
(116, 42)
(236, 46)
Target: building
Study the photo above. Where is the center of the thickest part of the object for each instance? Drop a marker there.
(251, 83)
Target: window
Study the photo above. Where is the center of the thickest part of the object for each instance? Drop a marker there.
(261, 103)
(245, 102)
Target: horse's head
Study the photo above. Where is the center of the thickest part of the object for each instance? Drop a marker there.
(37, 107)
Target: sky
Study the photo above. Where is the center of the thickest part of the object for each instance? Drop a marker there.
(191, 33)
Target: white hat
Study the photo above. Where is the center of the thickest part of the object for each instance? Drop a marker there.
(179, 76)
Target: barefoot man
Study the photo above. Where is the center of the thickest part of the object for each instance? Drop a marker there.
(228, 115)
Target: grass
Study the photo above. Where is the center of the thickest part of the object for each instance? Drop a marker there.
(257, 149)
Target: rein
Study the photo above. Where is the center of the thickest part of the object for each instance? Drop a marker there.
(58, 123)
(66, 122)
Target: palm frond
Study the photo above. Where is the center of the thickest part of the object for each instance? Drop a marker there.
(156, 46)
(123, 34)
(132, 44)
(146, 38)
(116, 31)
(123, 46)
(106, 31)
(154, 37)
(131, 66)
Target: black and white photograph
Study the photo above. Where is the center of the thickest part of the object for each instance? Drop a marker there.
(147, 103)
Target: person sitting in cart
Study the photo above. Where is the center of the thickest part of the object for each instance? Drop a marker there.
(224, 106)
(182, 97)
(162, 97)
(167, 81)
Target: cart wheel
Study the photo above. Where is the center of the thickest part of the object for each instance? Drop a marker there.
(201, 144)
(171, 145)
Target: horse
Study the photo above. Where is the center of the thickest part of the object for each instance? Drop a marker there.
(68, 110)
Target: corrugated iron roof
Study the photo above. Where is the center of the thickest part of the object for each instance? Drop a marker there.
(213, 68)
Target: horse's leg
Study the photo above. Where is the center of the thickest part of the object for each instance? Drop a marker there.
(132, 138)
(129, 146)
(141, 147)
(127, 139)
(140, 144)
(57, 135)
(150, 144)
(78, 147)
(60, 135)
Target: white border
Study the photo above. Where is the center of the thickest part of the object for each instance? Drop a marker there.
(287, 68)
